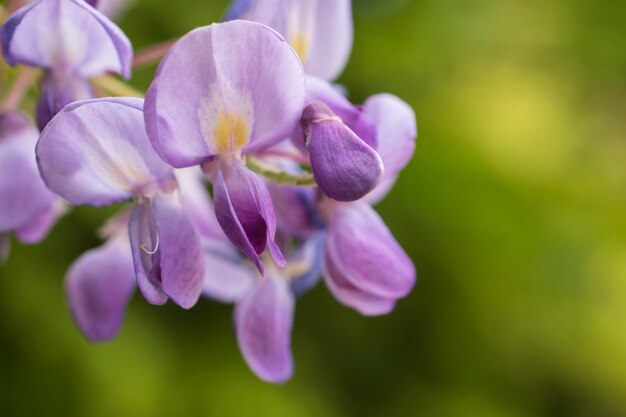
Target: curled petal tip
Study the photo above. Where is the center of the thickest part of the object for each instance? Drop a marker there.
(344, 166)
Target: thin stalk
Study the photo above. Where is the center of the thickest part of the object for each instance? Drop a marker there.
(112, 85)
(21, 85)
(280, 177)
(14, 5)
(152, 54)
(300, 159)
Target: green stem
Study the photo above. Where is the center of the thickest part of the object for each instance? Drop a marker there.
(280, 177)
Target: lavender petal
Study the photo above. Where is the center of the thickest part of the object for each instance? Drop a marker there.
(99, 285)
(263, 321)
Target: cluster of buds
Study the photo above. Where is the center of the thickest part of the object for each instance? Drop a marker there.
(248, 176)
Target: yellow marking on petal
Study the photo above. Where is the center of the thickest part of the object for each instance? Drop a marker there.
(231, 133)
(300, 43)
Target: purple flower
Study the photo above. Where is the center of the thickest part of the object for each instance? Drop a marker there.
(383, 118)
(96, 152)
(264, 306)
(345, 167)
(27, 207)
(227, 275)
(100, 284)
(72, 41)
(320, 31)
(364, 266)
(223, 92)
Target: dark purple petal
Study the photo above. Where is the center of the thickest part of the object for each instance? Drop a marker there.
(224, 89)
(244, 210)
(396, 132)
(181, 254)
(263, 321)
(57, 92)
(146, 256)
(23, 194)
(266, 208)
(97, 152)
(350, 296)
(68, 36)
(344, 166)
(98, 286)
(365, 253)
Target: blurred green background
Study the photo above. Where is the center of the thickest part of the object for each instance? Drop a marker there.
(513, 210)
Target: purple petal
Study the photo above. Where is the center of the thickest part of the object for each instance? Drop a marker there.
(263, 321)
(266, 208)
(309, 256)
(57, 92)
(23, 195)
(365, 253)
(146, 256)
(347, 294)
(295, 213)
(396, 132)
(98, 286)
(344, 166)
(320, 31)
(197, 203)
(244, 211)
(39, 226)
(181, 254)
(227, 276)
(97, 152)
(222, 89)
(68, 36)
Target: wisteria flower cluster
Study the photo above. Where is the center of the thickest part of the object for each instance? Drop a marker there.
(246, 174)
